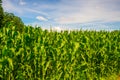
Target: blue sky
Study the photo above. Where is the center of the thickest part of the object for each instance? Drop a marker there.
(67, 14)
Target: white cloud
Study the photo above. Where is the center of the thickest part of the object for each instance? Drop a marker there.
(9, 7)
(66, 11)
(47, 26)
(41, 18)
(89, 16)
(69, 27)
(21, 2)
(57, 28)
(73, 19)
(82, 11)
(36, 11)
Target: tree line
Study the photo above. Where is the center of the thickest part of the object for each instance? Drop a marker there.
(9, 18)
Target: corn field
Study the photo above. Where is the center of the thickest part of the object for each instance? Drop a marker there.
(37, 54)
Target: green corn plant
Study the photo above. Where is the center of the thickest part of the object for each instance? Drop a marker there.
(38, 54)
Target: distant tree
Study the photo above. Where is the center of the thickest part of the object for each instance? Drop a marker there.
(1, 13)
(15, 20)
(7, 18)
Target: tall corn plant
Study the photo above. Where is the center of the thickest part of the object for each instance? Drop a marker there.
(48, 55)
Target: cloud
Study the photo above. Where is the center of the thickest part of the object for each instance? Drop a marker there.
(57, 28)
(83, 11)
(65, 12)
(73, 19)
(70, 27)
(12, 6)
(9, 7)
(36, 11)
(25, 12)
(21, 2)
(41, 18)
(89, 16)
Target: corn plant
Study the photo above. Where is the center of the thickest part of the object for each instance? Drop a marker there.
(37, 54)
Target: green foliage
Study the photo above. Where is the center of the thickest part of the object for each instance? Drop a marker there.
(10, 18)
(1, 13)
(38, 54)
